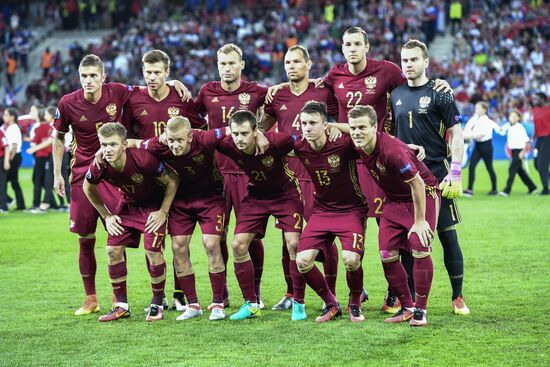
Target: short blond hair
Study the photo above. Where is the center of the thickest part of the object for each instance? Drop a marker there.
(230, 47)
(364, 111)
(177, 123)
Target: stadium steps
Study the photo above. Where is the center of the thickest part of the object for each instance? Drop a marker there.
(441, 48)
(56, 40)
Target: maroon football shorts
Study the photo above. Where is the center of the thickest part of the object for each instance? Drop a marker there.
(83, 216)
(323, 227)
(235, 188)
(373, 193)
(307, 188)
(134, 219)
(209, 212)
(397, 220)
(254, 214)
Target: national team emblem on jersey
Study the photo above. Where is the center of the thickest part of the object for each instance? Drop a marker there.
(137, 178)
(111, 109)
(370, 82)
(173, 112)
(306, 162)
(381, 168)
(424, 102)
(268, 161)
(244, 98)
(334, 161)
(199, 158)
(57, 114)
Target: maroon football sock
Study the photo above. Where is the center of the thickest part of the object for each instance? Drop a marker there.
(397, 279)
(330, 267)
(156, 271)
(423, 273)
(285, 260)
(256, 251)
(187, 284)
(318, 283)
(298, 282)
(177, 286)
(244, 272)
(355, 284)
(87, 264)
(217, 281)
(119, 289)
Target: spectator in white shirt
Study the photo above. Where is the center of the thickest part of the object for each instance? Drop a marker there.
(13, 135)
(517, 141)
(479, 129)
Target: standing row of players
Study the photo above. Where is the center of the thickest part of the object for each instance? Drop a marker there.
(360, 82)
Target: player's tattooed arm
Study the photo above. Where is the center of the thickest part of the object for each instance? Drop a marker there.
(457, 143)
(421, 227)
(58, 149)
(170, 180)
(266, 122)
(443, 86)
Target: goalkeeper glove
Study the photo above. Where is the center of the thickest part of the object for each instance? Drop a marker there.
(451, 186)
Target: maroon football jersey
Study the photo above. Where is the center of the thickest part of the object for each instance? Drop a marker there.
(137, 179)
(370, 87)
(286, 107)
(86, 118)
(197, 170)
(219, 105)
(334, 175)
(147, 117)
(392, 163)
(269, 175)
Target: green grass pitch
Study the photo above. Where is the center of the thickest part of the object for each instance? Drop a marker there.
(506, 249)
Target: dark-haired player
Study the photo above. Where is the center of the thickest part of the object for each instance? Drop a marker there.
(339, 210)
(425, 117)
(272, 191)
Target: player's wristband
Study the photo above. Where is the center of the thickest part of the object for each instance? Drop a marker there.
(456, 170)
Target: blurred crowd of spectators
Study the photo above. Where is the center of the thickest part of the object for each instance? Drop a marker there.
(499, 47)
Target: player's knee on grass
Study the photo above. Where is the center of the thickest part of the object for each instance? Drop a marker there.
(352, 260)
(305, 260)
(155, 258)
(420, 254)
(388, 256)
(115, 254)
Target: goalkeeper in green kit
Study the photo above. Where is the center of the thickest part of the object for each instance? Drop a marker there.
(423, 119)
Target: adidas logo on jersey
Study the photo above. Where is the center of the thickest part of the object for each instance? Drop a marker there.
(215, 99)
(399, 103)
(83, 118)
(283, 108)
(144, 113)
(341, 86)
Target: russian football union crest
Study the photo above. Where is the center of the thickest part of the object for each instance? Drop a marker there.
(381, 168)
(268, 161)
(173, 112)
(424, 102)
(198, 158)
(137, 178)
(244, 98)
(370, 82)
(111, 109)
(334, 161)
